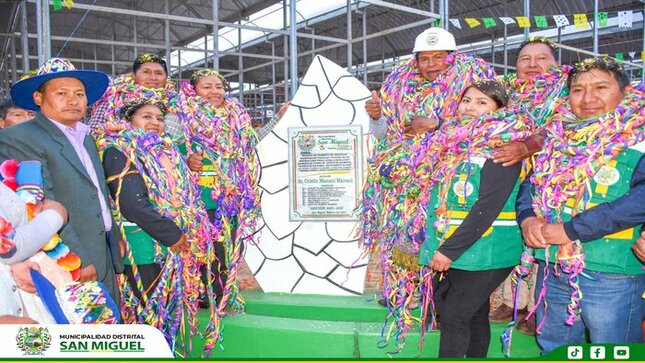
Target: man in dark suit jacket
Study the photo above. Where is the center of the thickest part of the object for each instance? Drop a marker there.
(72, 170)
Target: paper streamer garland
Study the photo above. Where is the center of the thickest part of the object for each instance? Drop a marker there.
(398, 171)
(538, 95)
(393, 180)
(123, 88)
(172, 190)
(457, 142)
(521, 272)
(393, 212)
(574, 150)
(226, 136)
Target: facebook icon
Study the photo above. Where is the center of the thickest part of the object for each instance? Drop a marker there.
(596, 352)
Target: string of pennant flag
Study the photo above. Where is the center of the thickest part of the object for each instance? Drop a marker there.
(580, 21)
(58, 4)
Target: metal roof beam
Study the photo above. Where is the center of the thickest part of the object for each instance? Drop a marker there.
(84, 60)
(186, 19)
(402, 8)
(484, 46)
(144, 45)
(374, 35)
(145, 14)
(333, 46)
(199, 21)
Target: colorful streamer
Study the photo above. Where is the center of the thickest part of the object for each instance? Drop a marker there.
(123, 88)
(574, 150)
(227, 139)
(172, 188)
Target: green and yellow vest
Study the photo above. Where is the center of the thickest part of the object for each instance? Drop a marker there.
(142, 245)
(500, 246)
(612, 253)
(206, 178)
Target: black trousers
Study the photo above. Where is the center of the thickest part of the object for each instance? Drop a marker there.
(148, 273)
(462, 300)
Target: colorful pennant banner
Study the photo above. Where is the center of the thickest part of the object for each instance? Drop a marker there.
(580, 21)
(523, 22)
(489, 22)
(541, 22)
(57, 4)
(602, 19)
(625, 19)
(472, 22)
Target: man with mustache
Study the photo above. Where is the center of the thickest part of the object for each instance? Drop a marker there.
(538, 85)
(580, 208)
(71, 166)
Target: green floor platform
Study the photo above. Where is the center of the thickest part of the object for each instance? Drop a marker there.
(318, 327)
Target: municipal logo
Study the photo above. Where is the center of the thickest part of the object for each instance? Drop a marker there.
(306, 142)
(607, 175)
(463, 189)
(432, 39)
(33, 340)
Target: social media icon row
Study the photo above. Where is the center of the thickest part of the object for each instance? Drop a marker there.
(597, 352)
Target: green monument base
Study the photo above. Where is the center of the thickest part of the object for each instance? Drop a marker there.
(291, 326)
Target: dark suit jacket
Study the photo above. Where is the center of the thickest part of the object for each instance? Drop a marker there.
(67, 182)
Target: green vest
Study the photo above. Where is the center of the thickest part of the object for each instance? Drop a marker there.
(501, 244)
(141, 244)
(612, 253)
(206, 179)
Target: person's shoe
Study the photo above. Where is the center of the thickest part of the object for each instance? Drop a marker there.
(502, 314)
(527, 326)
(203, 302)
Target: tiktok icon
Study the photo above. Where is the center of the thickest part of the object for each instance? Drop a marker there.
(574, 352)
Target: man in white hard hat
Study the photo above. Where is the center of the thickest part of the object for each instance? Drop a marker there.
(432, 49)
(414, 99)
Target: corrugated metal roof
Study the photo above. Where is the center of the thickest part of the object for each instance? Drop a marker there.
(100, 27)
(110, 26)
(399, 43)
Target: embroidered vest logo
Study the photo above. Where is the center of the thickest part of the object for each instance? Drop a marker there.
(463, 189)
(607, 175)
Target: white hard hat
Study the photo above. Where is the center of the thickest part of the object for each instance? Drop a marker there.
(434, 39)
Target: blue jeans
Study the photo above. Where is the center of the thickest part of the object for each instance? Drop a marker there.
(612, 309)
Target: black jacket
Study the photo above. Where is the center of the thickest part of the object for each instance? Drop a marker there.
(134, 203)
